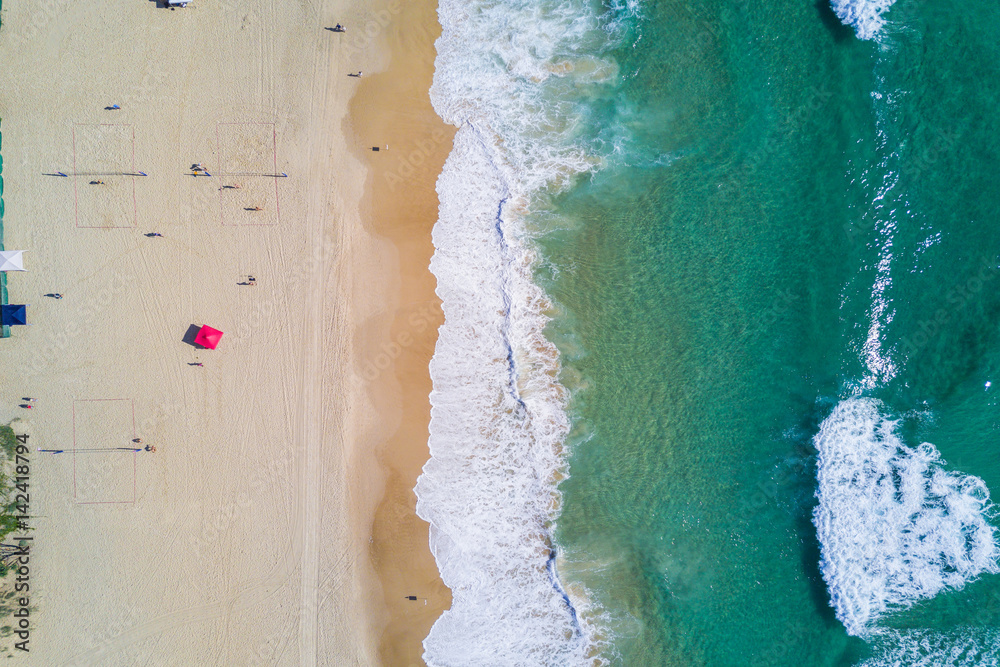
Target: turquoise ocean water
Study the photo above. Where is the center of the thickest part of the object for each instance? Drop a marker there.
(767, 254)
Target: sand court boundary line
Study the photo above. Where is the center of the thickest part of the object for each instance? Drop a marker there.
(130, 412)
(229, 152)
(130, 174)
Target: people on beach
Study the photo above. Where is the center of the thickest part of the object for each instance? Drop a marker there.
(28, 399)
(150, 448)
(114, 107)
(57, 296)
(154, 234)
(357, 76)
(97, 182)
(137, 441)
(339, 28)
(255, 208)
(197, 363)
(27, 407)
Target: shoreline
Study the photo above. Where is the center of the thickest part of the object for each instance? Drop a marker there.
(392, 110)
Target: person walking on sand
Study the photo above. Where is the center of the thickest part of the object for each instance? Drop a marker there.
(57, 296)
(29, 400)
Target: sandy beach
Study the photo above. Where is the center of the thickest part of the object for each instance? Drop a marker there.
(274, 523)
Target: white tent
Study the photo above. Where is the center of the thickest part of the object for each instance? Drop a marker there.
(11, 260)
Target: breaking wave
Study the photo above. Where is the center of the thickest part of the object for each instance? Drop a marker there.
(865, 16)
(894, 526)
(516, 78)
(970, 647)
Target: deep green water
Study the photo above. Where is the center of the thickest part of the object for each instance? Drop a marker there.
(715, 296)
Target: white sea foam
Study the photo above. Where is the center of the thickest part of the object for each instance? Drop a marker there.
(865, 16)
(893, 525)
(969, 647)
(514, 78)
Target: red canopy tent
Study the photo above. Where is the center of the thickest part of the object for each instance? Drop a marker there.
(208, 337)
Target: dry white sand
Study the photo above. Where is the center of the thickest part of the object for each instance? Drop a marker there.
(243, 539)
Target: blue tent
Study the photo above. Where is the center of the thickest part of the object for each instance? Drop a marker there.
(11, 315)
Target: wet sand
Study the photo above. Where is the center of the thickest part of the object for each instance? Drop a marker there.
(392, 111)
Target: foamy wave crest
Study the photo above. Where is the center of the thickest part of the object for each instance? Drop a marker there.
(865, 16)
(514, 77)
(894, 527)
(972, 647)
